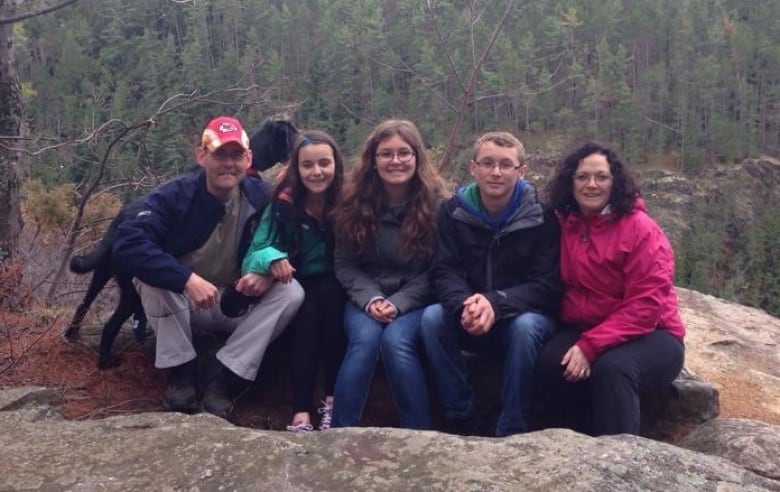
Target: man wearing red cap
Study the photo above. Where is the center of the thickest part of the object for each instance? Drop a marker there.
(184, 251)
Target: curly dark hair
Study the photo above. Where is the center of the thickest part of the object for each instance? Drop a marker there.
(356, 217)
(560, 189)
(291, 185)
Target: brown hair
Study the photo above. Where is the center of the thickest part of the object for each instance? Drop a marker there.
(356, 217)
(502, 139)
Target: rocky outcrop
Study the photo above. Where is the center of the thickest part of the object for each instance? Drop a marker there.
(167, 451)
(751, 444)
(674, 410)
(735, 348)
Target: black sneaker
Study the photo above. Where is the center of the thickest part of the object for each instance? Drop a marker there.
(480, 422)
(221, 388)
(235, 304)
(182, 394)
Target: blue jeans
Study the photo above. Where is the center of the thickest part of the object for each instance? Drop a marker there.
(399, 345)
(521, 339)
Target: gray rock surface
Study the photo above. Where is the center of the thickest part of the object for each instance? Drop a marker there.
(167, 451)
(735, 348)
(672, 411)
(749, 443)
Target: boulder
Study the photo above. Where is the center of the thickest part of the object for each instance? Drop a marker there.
(751, 444)
(672, 411)
(169, 451)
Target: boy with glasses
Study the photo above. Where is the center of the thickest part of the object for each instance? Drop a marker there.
(184, 251)
(495, 274)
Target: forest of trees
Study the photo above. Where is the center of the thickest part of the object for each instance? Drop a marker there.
(696, 81)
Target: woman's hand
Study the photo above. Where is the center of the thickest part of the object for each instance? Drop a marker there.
(282, 270)
(253, 284)
(577, 365)
(382, 311)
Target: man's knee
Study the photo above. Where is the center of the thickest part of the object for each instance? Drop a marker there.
(531, 328)
(294, 293)
(434, 322)
(159, 303)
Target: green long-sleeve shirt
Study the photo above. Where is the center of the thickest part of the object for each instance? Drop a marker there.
(312, 259)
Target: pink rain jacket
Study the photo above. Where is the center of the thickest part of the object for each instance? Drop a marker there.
(618, 279)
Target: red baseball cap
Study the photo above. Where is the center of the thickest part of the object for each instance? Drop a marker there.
(224, 129)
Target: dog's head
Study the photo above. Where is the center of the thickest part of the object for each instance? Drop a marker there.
(272, 143)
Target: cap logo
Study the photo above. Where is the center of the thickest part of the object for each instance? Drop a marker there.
(226, 127)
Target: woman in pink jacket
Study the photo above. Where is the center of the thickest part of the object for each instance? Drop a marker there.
(622, 335)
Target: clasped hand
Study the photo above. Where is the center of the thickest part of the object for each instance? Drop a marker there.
(382, 311)
(478, 316)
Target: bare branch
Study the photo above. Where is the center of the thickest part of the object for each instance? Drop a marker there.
(466, 101)
(662, 125)
(173, 103)
(166, 107)
(422, 80)
(30, 15)
(521, 91)
(444, 46)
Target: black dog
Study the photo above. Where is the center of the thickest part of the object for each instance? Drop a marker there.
(270, 144)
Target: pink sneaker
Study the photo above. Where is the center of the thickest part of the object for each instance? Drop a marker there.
(327, 415)
(300, 427)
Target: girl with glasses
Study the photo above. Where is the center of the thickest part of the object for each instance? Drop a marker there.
(385, 239)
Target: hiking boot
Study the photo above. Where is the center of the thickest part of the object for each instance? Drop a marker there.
(181, 395)
(220, 390)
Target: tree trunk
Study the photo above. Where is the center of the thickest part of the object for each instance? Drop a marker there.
(10, 129)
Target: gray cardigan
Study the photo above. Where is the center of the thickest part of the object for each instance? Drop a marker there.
(385, 272)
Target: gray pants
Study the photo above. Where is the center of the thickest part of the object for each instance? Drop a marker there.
(174, 318)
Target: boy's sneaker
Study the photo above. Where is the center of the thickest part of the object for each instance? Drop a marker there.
(327, 415)
(300, 426)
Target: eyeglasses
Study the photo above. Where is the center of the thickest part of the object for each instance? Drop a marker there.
(599, 178)
(232, 154)
(402, 154)
(503, 166)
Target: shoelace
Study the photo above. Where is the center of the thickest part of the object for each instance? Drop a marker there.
(327, 415)
(300, 427)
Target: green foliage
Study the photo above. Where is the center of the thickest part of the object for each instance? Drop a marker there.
(699, 79)
(726, 256)
(696, 78)
(49, 208)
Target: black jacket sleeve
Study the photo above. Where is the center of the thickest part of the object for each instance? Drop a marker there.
(447, 272)
(138, 249)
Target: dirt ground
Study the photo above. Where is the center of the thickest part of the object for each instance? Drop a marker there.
(36, 354)
(33, 352)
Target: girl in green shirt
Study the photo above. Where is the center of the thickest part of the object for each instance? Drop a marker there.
(295, 240)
